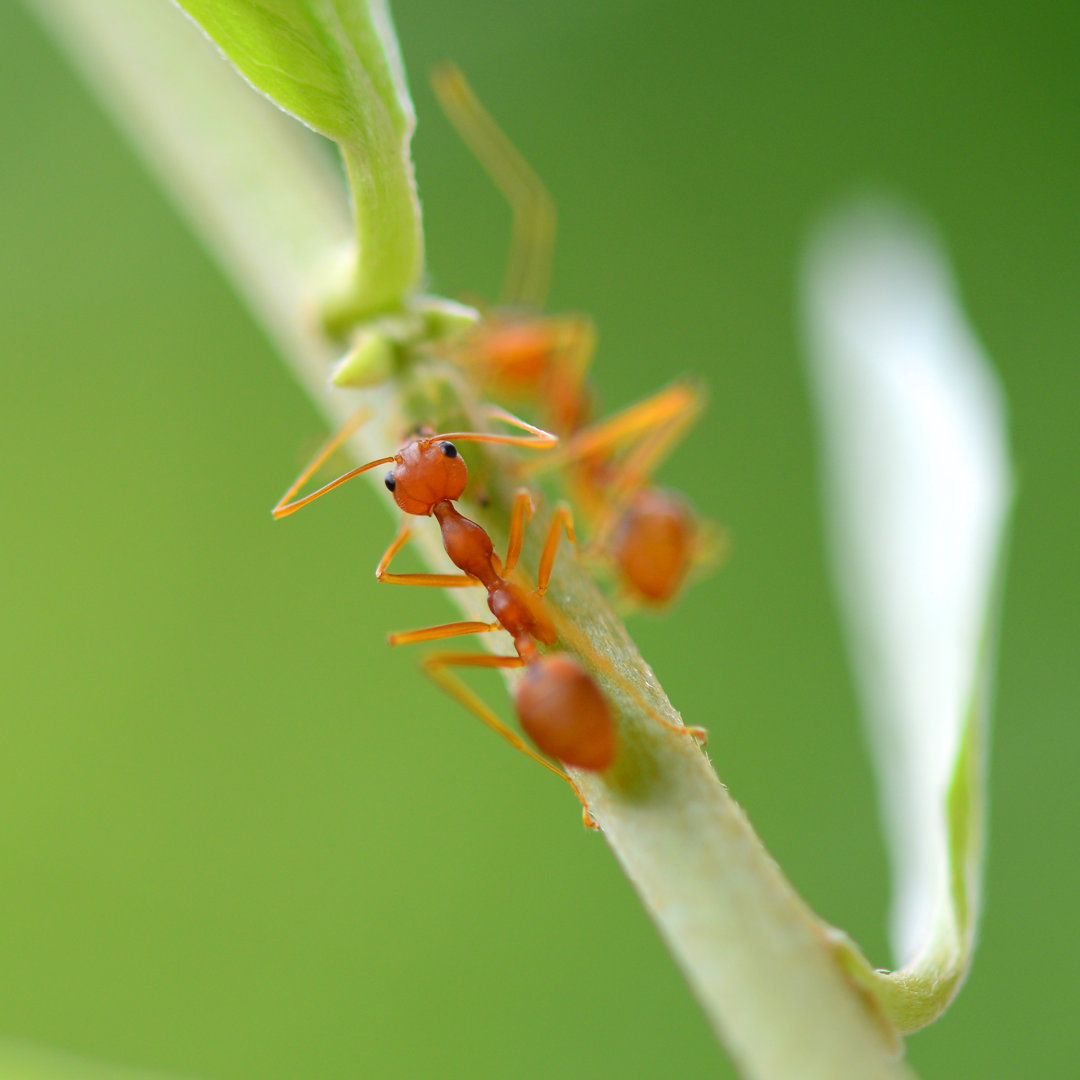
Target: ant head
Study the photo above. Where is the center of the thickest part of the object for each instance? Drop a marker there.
(426, 473)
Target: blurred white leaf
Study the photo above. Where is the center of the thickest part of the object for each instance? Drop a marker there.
(916, 478)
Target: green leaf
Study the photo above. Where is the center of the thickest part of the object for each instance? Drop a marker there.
(917, 480)
(334, 64)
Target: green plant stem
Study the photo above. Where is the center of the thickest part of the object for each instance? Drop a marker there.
(267, 203)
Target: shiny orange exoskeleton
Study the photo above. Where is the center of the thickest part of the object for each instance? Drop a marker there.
(655, 543)
(651, 537)
(559, 704)
(515, 353)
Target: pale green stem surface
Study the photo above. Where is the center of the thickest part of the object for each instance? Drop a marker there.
(763, 967)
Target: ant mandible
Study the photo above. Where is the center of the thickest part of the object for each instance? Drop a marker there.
(558, 703)
(651, 534)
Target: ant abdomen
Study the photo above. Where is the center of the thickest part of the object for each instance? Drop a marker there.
(654, 544)
(564, 713)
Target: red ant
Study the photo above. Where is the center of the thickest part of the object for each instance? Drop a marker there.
(652, 535)
(560, 706)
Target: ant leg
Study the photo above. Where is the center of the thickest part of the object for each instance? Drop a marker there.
(443, 581)
(563, 383)
(681, 402)
(437, 633)
(659, 421)
(578, 343)
(699, 734)
(284, 507)
(528, 271)
(437, 667)
(562, 520)
(712, 548)
(537, 438)
(519, 515)
(626, 479)
(655, 425)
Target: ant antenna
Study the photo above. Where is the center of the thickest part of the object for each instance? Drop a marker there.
(535, 438)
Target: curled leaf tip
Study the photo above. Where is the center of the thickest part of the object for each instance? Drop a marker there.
(916, 477)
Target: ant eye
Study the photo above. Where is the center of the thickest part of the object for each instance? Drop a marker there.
(449, 449)
(390, 482)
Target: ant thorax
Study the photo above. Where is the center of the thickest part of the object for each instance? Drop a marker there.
(521, 616)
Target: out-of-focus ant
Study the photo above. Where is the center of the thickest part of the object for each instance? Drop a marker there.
(651, 535)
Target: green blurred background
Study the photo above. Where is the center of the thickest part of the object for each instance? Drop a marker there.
(241, 837)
